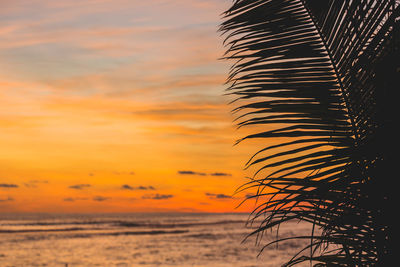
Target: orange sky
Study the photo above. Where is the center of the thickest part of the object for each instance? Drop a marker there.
(116, 106)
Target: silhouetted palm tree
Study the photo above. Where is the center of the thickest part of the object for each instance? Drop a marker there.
(320, 75)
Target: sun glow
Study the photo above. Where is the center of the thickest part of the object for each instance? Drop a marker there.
(104, 107)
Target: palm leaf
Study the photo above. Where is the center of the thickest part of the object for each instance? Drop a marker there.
(321, 75)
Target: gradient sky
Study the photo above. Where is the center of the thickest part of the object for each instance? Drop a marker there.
(116, 106)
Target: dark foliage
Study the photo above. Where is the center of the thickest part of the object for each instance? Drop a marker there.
(321, 77)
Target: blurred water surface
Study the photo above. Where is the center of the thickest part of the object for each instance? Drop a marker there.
(164, 239)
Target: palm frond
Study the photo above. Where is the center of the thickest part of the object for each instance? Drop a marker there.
(320, 75)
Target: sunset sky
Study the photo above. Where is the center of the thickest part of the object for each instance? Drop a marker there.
(116, 106)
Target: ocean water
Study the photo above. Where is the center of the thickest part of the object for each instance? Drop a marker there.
(139, 240)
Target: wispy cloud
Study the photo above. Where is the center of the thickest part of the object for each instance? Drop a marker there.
(39, 181)
(100, 198)
(203, 173)
(157, 196)
(79, 186)
(140, 187)
(72, 199)
(124, 173)
(191, 173)
(35, 183)
(217, 196)
(9, 185)
(220, 174)
(126, 186)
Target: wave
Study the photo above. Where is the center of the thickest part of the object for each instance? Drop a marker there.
(180, 225)
(9, 231)
(119, 223)
(59, 223)
(145, 233)
(125, 233)
(74, 229)
(90, 235)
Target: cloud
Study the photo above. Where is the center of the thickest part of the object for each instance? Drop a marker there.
(157, 196)
(71, 199)
(128, 187)
(145, 187)
(7, 199)
(206, 109)
(191, 173)
(124, 173)
(220, 174)
(203, 174)
(30, 185)
(79, 186)
(9, 185)
(217, 196)
(100, 198)
(141, 187)
(39, 181)
(34, 183)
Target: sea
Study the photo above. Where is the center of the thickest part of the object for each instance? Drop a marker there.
(141, 239)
